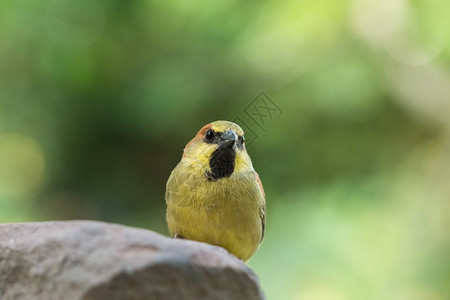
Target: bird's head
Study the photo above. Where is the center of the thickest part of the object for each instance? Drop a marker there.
(218, 150)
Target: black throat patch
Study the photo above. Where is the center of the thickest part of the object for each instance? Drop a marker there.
(222, 163)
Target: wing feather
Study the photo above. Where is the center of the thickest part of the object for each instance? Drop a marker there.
(262, 210)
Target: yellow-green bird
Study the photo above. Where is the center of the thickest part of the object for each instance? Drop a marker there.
(214, 195)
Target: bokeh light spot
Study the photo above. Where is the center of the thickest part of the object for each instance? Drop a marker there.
(22, 165)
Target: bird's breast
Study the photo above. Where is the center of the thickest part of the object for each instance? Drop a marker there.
(224, 212)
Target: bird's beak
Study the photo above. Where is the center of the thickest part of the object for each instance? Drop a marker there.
(228, 139)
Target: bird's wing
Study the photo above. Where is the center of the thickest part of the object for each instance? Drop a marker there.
(262, 209)
(174, 182)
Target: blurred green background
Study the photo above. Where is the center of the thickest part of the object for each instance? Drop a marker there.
(98, 99)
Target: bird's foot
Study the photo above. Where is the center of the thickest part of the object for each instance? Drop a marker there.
(177, 236)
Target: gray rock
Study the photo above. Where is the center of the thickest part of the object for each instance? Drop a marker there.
(95, 260)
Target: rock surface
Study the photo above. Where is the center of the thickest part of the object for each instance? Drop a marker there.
(94, 260)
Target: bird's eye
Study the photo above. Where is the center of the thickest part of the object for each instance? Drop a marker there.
(209, 134)
(241, 140)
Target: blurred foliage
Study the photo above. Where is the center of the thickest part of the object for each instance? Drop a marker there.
(98, 99)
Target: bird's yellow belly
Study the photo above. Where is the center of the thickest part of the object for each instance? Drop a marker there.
(236, 228)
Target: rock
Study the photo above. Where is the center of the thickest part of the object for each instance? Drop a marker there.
(95, 260)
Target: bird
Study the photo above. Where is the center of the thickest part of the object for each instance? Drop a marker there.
(214, 195)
